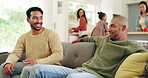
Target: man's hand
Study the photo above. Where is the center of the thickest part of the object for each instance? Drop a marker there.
(78, 40)
(8, 68)
(30, 61)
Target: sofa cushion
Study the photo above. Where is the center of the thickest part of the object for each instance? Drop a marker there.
(133, 66)
(16, 76)
(3, 57)
(76, 54)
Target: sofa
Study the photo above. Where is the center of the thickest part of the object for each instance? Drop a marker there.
(74, 54)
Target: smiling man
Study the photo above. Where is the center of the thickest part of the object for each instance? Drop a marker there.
(41, 45)
(110, 52)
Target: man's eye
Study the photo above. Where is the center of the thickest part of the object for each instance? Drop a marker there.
(41, 18)
(38, 18)
(34, 17)
(111, 25)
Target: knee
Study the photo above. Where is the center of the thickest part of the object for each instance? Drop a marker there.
(25, 72)
(26, 69)
(30, 69)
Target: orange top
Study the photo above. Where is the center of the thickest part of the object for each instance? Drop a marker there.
(82, 25)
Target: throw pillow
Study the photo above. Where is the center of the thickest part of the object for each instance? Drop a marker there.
(132, 66)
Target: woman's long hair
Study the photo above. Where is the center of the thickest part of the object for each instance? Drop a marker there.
(78, 17)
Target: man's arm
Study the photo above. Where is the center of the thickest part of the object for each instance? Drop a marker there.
(78, 40)
(82, 24)
(13, 57)
(56, 48)
(17, 53)
(86, 39)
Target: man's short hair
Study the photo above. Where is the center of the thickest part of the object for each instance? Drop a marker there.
(28, 12)
(122, 20)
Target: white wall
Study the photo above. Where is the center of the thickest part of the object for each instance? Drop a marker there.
(117, 7)
(47, 7)
(111, 7)
(107, 7)
(61, 21)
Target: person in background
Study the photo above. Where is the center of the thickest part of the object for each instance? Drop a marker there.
(41, 46)
(111, 51)
(142, 19)
(101, 29)
(81, 17)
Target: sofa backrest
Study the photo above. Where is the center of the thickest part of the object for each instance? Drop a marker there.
(76, 54)
(3, 57)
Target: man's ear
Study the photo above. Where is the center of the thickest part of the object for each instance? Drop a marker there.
(28, 20)
(123, 27)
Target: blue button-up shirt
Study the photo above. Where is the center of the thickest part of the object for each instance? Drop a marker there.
(145, 21)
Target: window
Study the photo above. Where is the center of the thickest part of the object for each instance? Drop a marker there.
(12, 23)
(89, 8)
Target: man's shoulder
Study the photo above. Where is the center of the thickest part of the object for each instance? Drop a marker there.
(132, 42)
(25, 34)
(135, 45)
(97, 38)
(49, 32)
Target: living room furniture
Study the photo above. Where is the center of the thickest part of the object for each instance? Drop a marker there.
(74, 54)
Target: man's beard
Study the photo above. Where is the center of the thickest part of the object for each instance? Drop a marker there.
(36, 28)
(115, 37)
(116, 34)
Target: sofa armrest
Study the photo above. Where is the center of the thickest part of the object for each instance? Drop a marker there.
(3, 57)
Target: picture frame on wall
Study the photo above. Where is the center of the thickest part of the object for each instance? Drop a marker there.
(60, 5)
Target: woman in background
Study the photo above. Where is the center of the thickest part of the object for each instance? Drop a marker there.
(81, 17)
(142, 20)
(101, 29)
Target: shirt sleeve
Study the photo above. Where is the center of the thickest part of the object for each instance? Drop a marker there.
(56, 49)
(135, 47)
(96, 39)
(82, 25)
(89, 39)
(17, 53)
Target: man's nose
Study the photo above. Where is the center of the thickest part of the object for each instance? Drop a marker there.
(38, 20)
